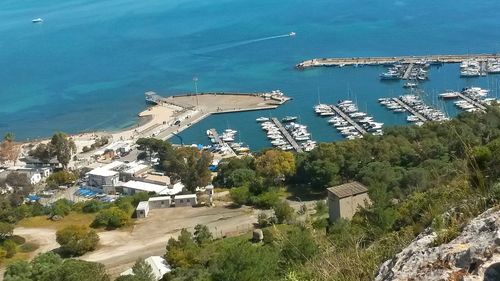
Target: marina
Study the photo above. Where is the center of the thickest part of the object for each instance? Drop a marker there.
(287, 135)
(472, 99)
(225, 143)
(348, 119)
(414, 104)
(357, 61)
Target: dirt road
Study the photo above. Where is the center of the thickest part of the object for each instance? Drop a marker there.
(118, 249)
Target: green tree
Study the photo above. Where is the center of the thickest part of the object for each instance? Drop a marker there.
(111, 218)
(275, 165)
(45, 267)
(63, 148)
(77, 240)
(202, 234)
(61, 178)
(240, 177)
(240, 195)
(78, 270)
(182, 252)
(61, 207)
(142, 271)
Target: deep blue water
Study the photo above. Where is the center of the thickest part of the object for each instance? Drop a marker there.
(88, 65)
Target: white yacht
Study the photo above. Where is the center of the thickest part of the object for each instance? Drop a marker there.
(292, 34)
(37, 20)
(262, 119)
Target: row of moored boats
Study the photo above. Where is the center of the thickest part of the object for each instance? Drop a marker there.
(297, 131)
(227, 142)
(476, 94)
(345, 127)
(416, 104)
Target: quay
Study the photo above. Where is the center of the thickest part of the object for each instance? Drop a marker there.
(182, 111)
(348, 119)
(410, 109)
(287, 135)
(432, 59)
(471, 101)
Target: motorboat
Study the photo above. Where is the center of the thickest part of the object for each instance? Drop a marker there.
(289, 119)
(292, 34)
(262, 119)
(449, 95)
(410, 85)
(37, 20)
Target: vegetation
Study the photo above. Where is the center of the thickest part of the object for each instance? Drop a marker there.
(98, 143)
(61, 178)
(76, 240)
(187, 164)
(9, 150)
(50, 267)
(142, 272)
(111, 218)
(60, 146)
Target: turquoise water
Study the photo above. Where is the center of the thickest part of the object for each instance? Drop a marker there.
(88, 65)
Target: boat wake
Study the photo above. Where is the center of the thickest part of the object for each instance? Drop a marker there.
(226, 46)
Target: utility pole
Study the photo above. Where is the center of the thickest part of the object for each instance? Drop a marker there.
(195, 79)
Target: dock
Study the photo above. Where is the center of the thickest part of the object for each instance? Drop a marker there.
(410, 109)
(348, 119)
(471, 101)
(407, 73)
(431, 59)
(287, 135)
(216, 136)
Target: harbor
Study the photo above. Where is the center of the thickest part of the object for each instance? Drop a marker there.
(287, 136)
(359, 61)
(471, 99)
(419, 111)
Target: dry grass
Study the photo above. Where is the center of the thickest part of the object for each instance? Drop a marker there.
(44, 222)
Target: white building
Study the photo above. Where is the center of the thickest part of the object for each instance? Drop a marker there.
(105, 177)
(158, 265)
(185, 200)
(142, 209)
(160, 202)
(132, 187)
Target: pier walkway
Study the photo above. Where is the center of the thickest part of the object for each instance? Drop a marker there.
(216, 136)
(410, 109)
(471, 101)
(407, 73)
(326, 62)
(348, 119)
(287, 135)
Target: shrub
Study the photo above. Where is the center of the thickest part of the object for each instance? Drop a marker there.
(283, 212)
(29, 247)
(240, 195)
(111, 218)
(76, 240)
(61, 207)
(61, 178)
(93, 206)
(266, 200)
(10, 248)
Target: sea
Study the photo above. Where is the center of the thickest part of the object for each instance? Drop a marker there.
(87, 66)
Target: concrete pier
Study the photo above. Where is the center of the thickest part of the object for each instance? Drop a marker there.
(332, 62)
(407, 73)
(287, 135)
(348, 119)
(471, 101)
(410, 109)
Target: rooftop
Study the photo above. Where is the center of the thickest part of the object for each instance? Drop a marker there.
(156, 188)
(185, 196)
(158, 265)
(348, 189)
(161, 198)
(143, 205)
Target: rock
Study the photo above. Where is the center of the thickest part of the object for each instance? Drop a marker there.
(56, 218)
(258, 235)
(471, 256)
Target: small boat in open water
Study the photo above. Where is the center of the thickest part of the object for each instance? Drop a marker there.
(37, 20)
(291, 34)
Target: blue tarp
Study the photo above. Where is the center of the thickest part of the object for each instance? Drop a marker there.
(33, 197)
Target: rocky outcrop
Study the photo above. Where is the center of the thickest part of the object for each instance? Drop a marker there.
(473, 255)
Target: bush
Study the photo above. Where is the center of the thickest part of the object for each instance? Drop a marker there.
(111, 218)
(266, 200)
(93, 206)
(61, 178)
(10, 248)
(240, 195)
(61, 207)
(76, 240)
(283, 212)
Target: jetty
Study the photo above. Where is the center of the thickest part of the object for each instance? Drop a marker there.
(346, 117)
(408, 70)
(471, 101)
(189, 109)
(431, 59)
(216, 137)
(287, 135)
(410, 109)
